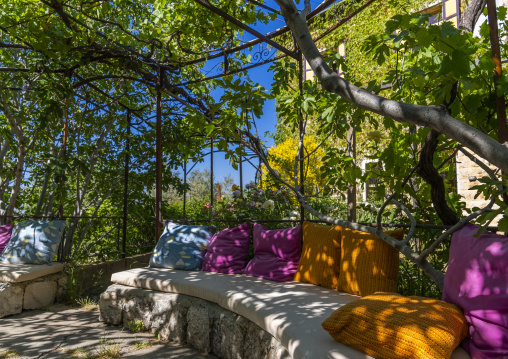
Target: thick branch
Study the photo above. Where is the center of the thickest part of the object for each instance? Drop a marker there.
(430, 175)
(14, 46)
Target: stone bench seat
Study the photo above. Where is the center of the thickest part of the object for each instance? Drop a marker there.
(291, 312)
(30, 286)
(19, 272)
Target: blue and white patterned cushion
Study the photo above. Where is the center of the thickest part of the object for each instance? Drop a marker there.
(33, 242)
(181, 247)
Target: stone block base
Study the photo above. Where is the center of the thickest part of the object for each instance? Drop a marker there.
(32, 294)
(11, 299)
(194, 321)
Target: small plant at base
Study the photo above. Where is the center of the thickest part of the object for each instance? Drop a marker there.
(79, 353)
(87, 303)
(108, 349)
(143, 344)
(9, 354)
(136, 326)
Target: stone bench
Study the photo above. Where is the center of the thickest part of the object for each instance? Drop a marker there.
(30, 286)
(230, 316)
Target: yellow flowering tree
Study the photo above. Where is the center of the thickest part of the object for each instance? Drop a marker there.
(282, 159)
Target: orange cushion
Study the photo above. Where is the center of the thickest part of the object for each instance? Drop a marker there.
(319, 263)
(391, 326)
(368, 264)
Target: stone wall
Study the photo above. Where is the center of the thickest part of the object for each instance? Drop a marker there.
(468, 174)
(194, 321)
(93, 279)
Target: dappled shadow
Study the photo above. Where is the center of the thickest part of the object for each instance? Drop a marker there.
(291, 311)
(388, 323)
(60, 331)
(368, 264)
(20, 272)
(477, 281)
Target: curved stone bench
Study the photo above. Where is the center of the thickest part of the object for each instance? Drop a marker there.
(291, 312)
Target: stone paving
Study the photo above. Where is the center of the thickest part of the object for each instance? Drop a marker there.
(69, 332)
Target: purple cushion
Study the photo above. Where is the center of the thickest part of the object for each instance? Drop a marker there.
(228, 250)
(276, 253)
(5, 235)
(477, 281)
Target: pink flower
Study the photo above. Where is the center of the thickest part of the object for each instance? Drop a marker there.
(253, 203)
(207, 205)
(250, 185)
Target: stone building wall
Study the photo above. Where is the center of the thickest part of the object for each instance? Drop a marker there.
(468, 174)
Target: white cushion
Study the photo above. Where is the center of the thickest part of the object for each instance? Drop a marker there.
(19, 272)
(291, 311)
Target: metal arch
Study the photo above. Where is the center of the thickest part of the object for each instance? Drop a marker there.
(310, 17)
(249, 29)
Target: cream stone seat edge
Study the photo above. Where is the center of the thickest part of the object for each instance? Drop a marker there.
(21, 272)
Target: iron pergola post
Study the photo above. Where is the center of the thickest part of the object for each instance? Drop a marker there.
(158, 160)
(126, 183)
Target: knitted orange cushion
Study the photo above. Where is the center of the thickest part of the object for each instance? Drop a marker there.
(319, 263)
(389, 326)
(368, 264)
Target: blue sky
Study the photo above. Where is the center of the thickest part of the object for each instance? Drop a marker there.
(268, 120)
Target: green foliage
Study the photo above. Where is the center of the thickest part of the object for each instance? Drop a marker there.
(254, 204)
(136, 326)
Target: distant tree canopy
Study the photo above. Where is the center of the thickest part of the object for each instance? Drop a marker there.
(282, 159)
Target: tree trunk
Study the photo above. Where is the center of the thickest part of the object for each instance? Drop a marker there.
(45, 184)
(472, 14)
(81, 192)
(17, 179)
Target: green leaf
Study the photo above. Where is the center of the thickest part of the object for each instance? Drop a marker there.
(461, 63)
(423, 37)
(447, 30)
(446, 67)
(501, 13)
(503, 225)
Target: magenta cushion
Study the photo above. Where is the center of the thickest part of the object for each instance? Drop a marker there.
(276, 253)
(5, 235)
(477, 281)
(228, 250)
